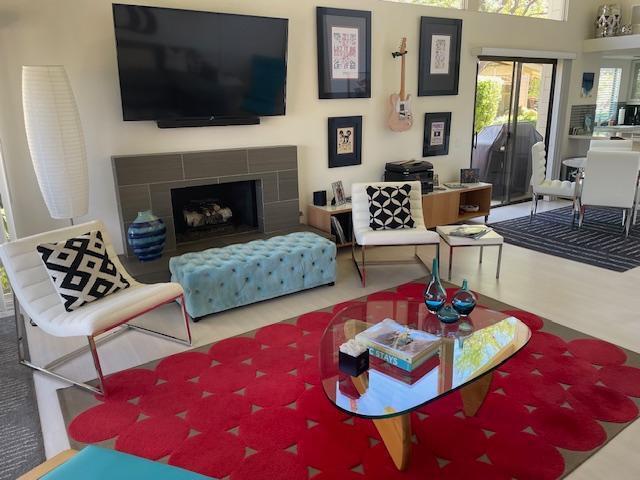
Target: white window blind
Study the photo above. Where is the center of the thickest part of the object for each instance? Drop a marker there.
(608, 94)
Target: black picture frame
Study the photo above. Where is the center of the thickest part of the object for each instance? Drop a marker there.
(442, 123)
(333, 81)
(349, 151)
(435, 31)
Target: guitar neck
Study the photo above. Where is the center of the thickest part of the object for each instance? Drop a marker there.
(403, 93)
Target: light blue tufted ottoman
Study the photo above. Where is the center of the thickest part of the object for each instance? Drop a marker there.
(222, 278)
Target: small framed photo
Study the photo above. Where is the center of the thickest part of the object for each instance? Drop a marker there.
(439, 56)
(338, 193)
(469, 175)
(437, 130)
(344, 53)
(345, 141)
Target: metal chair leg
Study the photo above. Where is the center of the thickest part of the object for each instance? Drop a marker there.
(533, 200)
(96, 364)
(364, 268)
(499, 262)
(481, 253)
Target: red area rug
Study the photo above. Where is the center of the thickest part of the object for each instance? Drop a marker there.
(250, 407)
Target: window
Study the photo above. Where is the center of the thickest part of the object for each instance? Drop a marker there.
(460, 4)
(552, 9)
(608, 92)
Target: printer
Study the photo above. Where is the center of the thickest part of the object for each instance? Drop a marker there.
(410, 171)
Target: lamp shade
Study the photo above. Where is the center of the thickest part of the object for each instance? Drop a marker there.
(56, 141)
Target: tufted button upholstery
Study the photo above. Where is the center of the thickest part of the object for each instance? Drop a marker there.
(222, 278)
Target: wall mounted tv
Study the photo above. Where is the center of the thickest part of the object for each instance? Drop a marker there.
(188, 68)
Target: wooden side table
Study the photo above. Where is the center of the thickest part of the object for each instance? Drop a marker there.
(321, 218)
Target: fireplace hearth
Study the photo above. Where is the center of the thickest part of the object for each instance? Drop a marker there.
(146, 182)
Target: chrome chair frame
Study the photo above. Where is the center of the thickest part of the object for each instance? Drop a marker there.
(24, 357)
(361, 267)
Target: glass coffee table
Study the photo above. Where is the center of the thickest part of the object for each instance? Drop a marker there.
(465, 358)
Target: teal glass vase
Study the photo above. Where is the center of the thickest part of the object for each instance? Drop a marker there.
(435, 296)
(448, 314)
(464, 301)
(147, 236)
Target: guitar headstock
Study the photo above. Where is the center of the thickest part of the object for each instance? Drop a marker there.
(402, 50)
(403, 46)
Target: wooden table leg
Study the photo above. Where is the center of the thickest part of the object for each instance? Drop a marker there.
(396, 435)
(474, 394)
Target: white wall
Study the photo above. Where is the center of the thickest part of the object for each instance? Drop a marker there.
(79, 34)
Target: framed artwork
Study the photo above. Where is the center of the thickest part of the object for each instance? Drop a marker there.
(439, 65)
(344, 53)
(469, 175)
(339, 198)
(437, 130)
(345, 141)
(588, 80)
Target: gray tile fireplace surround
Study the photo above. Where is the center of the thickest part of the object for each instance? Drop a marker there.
(144, 182)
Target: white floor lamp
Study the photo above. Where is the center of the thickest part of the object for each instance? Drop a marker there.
(56, 141)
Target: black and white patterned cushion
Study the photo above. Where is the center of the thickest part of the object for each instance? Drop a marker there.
(390, 208)
(81, 269)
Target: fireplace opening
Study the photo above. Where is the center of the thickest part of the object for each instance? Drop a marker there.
(208, 211)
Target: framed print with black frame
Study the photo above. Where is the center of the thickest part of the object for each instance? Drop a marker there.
(437, 130)
(345, 141)
(344, 53)
(439, 65)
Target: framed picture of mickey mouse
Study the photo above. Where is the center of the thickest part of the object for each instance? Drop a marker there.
(345, 141)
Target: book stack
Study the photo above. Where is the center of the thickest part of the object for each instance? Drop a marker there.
(470, 231)
(338, 231)
(398, 345)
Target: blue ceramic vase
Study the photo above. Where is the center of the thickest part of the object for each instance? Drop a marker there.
(435, 296)
(147, 235)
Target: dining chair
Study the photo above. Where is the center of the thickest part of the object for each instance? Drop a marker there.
(611, 180)
(611, 145)
(364, 236)
(539, 183)
(36, 296)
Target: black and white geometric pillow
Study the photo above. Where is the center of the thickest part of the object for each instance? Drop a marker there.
(390, 208)
(81, 269)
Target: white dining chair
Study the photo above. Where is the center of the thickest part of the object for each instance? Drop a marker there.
(539, 183)
(611, 180)
(623, 145)
(364, 236)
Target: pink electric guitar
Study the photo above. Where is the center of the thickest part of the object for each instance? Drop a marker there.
(400, 117)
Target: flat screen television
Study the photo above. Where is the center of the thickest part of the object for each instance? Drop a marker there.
(182, 64)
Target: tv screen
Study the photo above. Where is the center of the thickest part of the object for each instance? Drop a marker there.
(177, 64)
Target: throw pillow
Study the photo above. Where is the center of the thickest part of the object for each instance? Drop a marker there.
(81, 269)
(390, 207)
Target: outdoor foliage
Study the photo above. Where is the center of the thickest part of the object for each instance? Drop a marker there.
(525, 8)
(488, 95)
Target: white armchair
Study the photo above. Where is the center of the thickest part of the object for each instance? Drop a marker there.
(611, 180)
(35, 293)
(539, 183)
(364, 236)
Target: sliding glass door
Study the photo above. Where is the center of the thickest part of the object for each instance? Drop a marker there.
(512, 112)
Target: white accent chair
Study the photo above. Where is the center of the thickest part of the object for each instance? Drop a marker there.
(611, 145)
(539, 183)
(35, 293)
(364, 236)
(611, 180)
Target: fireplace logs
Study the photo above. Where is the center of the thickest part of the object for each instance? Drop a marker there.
(202, 213)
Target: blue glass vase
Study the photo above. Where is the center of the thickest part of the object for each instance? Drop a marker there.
(448, 314)
(146, 236)
(464, 301)
(435, 296)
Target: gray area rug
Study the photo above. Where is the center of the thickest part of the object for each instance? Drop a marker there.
(21, 445)
(600, 242)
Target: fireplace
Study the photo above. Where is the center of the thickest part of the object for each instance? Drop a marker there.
(206, 211)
